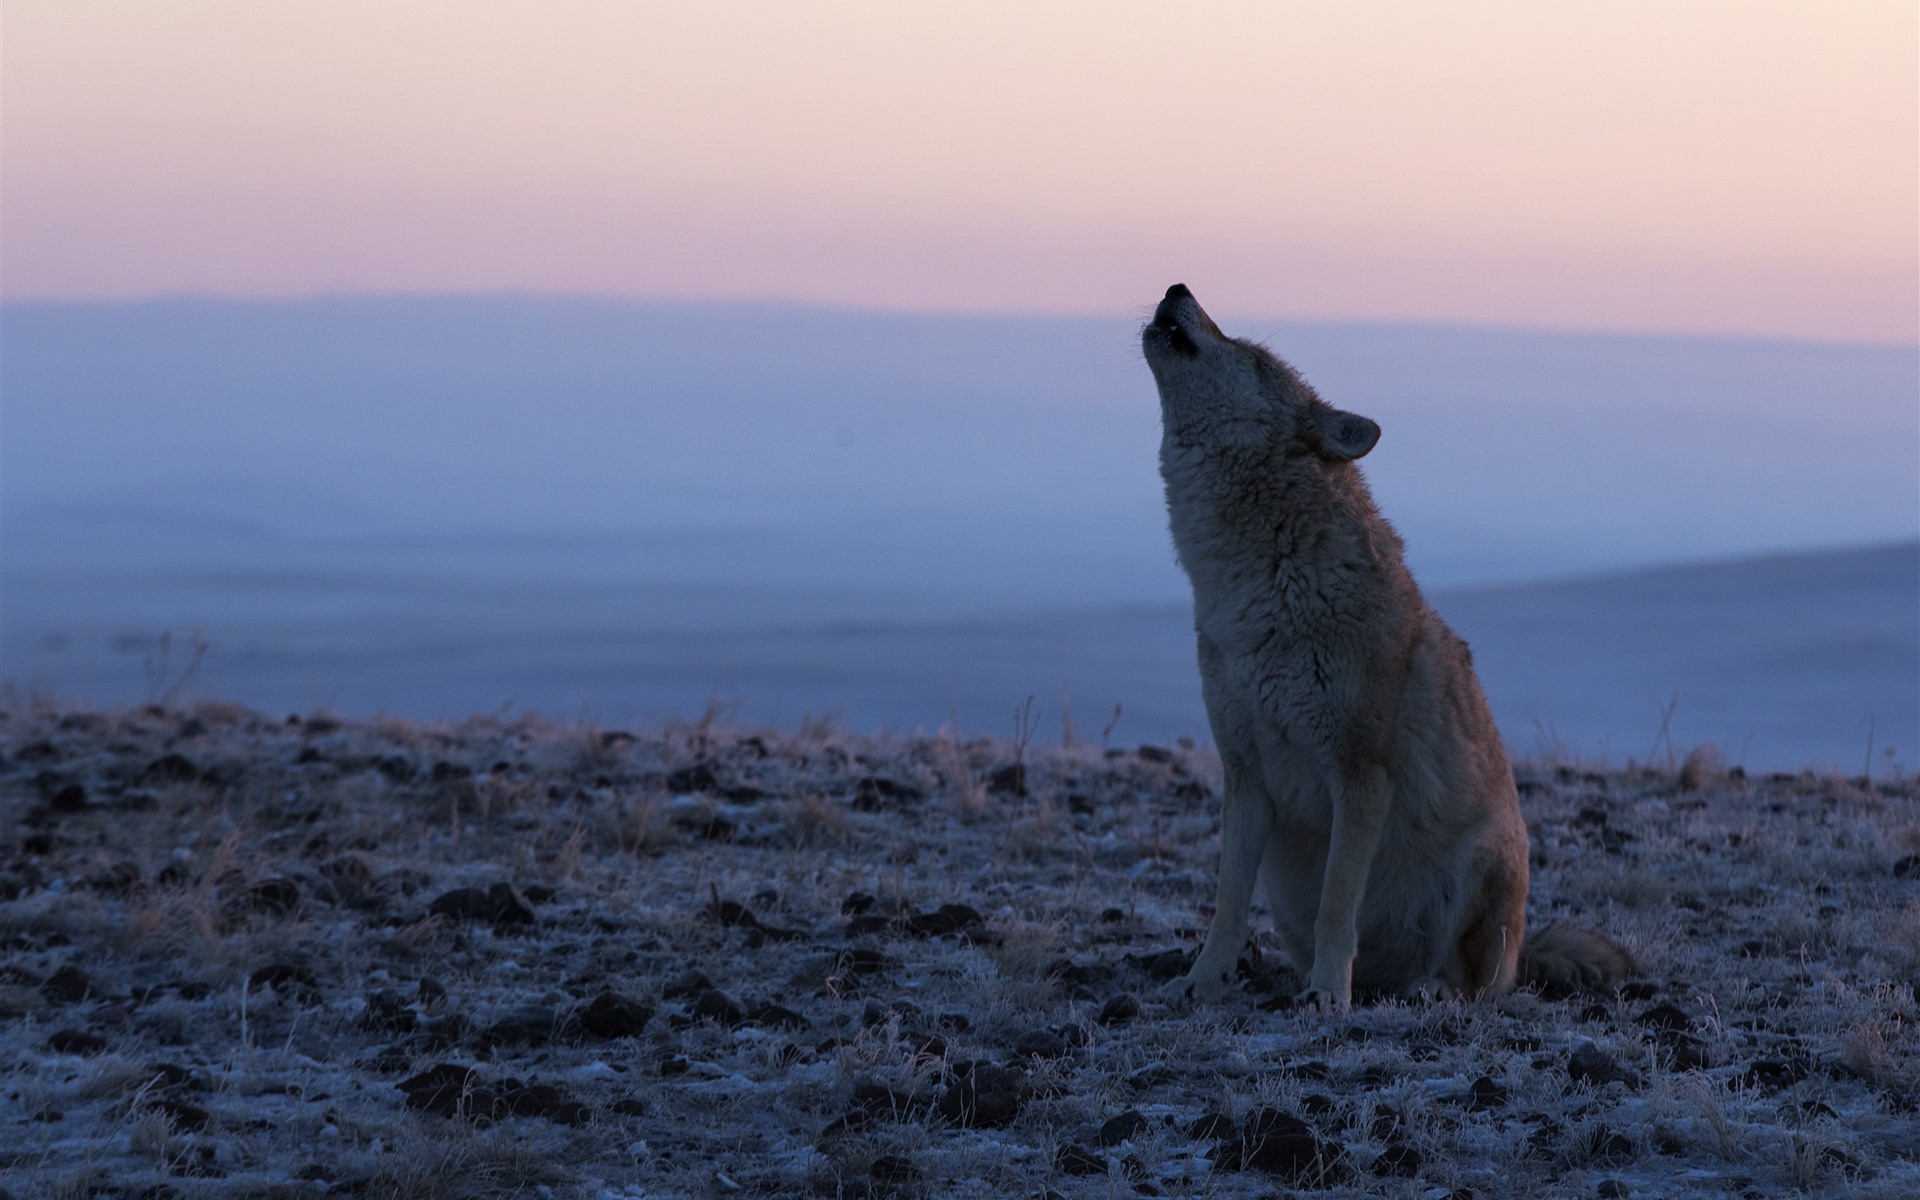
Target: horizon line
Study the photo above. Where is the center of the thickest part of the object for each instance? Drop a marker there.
(775, 301)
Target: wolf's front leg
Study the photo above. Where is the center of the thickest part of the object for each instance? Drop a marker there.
(1246, 821)
(1360, 801)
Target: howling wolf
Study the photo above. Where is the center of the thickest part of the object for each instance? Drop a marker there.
(1363, 770)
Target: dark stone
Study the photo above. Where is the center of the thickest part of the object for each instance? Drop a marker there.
(610, 1015)
(290, 980)
(70, 799)
(1665, 1017)
(1010, 780)
(730, 913)
(502, 904)
(1908, 867)
(948, 918)
(1127, 1125)
(1119, 1010)
(397, 768)
(688, 983)
(857, 903)
(170, 768)
(1607, 1146)
(1398, 1160)
(629, 1106)
(1590, 1064)
(1612, 1189)
(1163, 964)
(984, 1096)
(1281, 1144)
(446, 1089)
(893, 1170)
(543, 1100)
(76, 1041)
(1077, 1160)
(277, 897)
(1154, 754)
(386, 1012)
(1041, 1043)
(184, 1117)
(1638, 991)
(68, 985)
(1775, 1073)
(523, 1025)
(716, 1006)
(695, 777)
(774, 1016)
(1213, 1127)
(1485, 1095)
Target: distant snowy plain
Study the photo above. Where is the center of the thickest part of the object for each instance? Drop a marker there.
(440, 506)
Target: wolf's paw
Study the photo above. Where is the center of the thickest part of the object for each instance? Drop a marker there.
(1325, 1000)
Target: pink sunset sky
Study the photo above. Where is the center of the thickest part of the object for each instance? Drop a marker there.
(1735, 166)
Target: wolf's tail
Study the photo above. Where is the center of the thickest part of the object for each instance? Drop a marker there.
(1561, 957)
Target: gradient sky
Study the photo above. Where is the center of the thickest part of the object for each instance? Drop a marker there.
(1743, 166)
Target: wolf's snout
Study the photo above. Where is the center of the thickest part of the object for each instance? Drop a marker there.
(1167, 315)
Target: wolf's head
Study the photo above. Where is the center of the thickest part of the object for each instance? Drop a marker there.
(1217, 388)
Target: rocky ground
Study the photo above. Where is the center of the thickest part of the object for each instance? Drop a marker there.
(249, 956)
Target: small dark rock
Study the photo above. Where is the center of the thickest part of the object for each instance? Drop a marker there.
(1398, 1160)
(1908, 867)
(1667, 1018)
(1127, 1125)
(984, 1097)
(70, 799)
(1078, 1160)
(730, 913)
(170, 768)
(610, 1015)
(502, 904)
(1119, 1010)
(1010, 780)
(524, 1025)
(1774, 1073)
(1154, 754)
(688, 983)
(857, 903)
(775, 1016)
(1485, 1094)
(277, 897)
(1607, 1146)
(290, 980)
(1590, 1064)
(716, 1006)
(447, 1090)
(184, 1117)
(1213, 1127)
(695, 777)
(68, 985)
(543, 1100)
(386, 1012)
(1612, 1189)
(629, 1106)
(1164, 964)
(76, 1041)
(893, 1170)
(1041, 1043)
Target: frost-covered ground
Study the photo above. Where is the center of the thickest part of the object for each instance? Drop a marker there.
(242, 956)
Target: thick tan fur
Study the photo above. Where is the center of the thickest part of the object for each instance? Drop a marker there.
(1363, 773)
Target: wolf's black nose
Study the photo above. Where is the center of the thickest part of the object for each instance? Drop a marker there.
(1177, 291)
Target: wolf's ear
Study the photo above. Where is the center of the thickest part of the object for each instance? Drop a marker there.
(1339, 436)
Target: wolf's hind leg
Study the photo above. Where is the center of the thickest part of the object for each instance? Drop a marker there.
(1489, 945)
